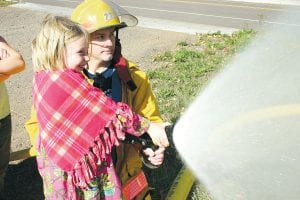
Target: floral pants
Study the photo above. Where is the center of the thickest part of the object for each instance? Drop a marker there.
(105, 185)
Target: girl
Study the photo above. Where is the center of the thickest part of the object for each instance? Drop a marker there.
(78, 124)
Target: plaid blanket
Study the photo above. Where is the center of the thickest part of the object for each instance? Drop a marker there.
(78, 124)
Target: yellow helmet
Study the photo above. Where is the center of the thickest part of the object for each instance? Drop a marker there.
(98, 14)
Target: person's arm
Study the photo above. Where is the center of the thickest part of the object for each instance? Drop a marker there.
(142, 100)
(145, 104)
(3, 77)
(11, 62)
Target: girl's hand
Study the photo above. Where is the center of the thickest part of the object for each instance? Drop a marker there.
(158, 134)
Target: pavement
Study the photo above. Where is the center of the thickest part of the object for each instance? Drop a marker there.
(145, 22)
(164, 24)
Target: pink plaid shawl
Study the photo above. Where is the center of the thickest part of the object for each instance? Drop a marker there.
(78, 124)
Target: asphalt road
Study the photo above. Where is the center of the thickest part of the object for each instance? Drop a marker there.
(226, 14)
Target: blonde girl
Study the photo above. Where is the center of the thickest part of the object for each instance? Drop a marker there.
(78, 124)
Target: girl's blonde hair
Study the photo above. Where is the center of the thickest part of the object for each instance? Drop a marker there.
(48, 47)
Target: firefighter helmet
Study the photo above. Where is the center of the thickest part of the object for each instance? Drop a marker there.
(99, 14)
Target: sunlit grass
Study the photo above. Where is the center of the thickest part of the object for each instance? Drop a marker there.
(4, 3)
(184, 71)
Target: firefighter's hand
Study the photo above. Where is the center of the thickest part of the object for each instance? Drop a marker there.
(155, 157)
(158, 134)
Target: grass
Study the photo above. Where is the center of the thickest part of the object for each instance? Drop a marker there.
(183, 72)
(4, 3)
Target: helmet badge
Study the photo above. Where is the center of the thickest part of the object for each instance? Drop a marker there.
(108, 16)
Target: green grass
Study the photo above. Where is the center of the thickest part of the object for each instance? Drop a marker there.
(182, 73)
(6, 3)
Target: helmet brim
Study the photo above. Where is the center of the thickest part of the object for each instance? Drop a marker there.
(118, 26)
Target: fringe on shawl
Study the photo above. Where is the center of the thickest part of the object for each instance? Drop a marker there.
(85, 169)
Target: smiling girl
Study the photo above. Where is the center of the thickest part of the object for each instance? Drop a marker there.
(78, 124)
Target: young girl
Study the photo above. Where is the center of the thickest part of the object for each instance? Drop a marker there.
(11, 62)
(78, 124)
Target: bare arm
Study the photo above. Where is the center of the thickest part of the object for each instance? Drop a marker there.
(11, 62)
(3, 77)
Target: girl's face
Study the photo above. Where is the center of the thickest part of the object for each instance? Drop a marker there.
(102, 44)
(76, 54)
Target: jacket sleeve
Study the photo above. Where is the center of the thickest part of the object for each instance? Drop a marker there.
(32, 129)
(142, 99)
